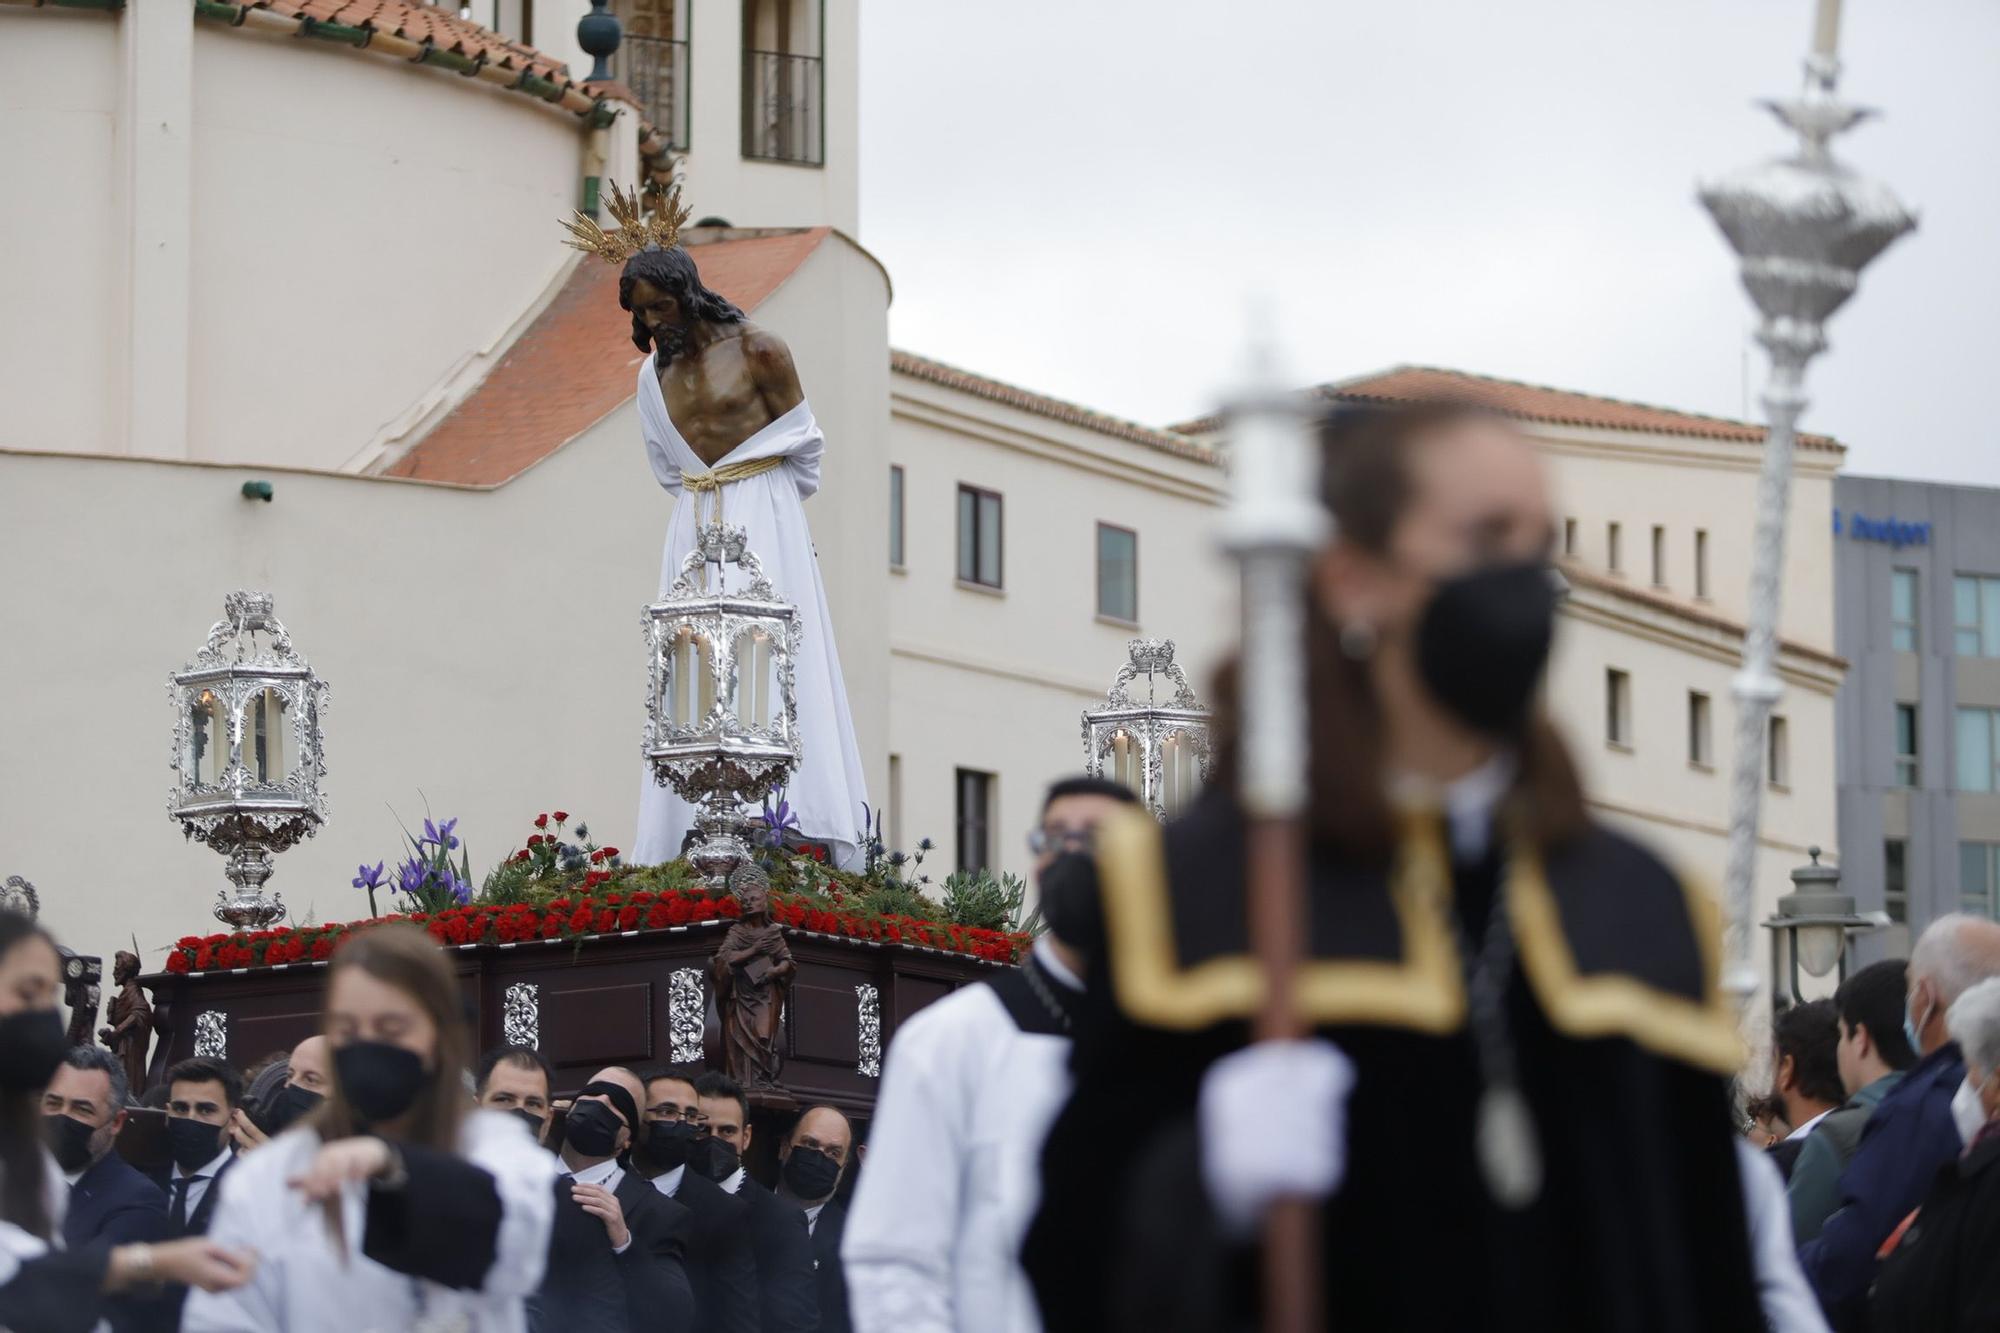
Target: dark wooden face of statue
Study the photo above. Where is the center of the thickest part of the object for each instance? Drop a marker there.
(723, 382)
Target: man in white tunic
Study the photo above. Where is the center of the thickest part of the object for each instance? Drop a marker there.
(731, 437)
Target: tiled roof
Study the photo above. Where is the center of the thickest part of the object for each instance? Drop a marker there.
(1534, 402)
(936, 372)
(420, 22)
(1669, 604)
(576, 362)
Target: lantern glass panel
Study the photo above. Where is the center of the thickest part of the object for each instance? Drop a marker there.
(689, 681)
(266, 751)
(1125, 760)
(208, 740)
(756, 678)
(1178, 774)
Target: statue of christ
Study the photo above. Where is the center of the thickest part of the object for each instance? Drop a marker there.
(727, 426)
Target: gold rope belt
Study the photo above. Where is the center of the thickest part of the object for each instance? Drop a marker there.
(699, 484)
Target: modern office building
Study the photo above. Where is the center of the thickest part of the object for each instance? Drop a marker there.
(1917, 616)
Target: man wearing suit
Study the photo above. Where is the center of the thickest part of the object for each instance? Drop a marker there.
(814, 1159)
(202, 1097)
(643, 1231)
(109, 1200)
(779, 1236)
(721, 1263)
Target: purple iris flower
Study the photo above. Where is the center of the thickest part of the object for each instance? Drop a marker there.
(440, 835)
(368, 877)
(410, 877)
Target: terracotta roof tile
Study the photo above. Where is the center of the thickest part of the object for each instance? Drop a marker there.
(1535, 402)
(419, 22)
(576, 362)
(936, 372)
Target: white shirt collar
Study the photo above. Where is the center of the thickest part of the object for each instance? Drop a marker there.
(1045, 954)
(735, 1182)
(669, 1182)
(812, 1214)
(213, 1166)
(605, 1173)
(1807, 1127)
(73, 1176)
(1466, 802)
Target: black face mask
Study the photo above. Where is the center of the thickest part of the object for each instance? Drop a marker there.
(193, 1143)
(668, 1143)
(1482, 643)
(715, 1158)
(69, 1140)
(810, 1174)
(528, 1118)
(380, 1080)
(1070, 907)
(291, 1103)
(592, 1129)
(32, 1043)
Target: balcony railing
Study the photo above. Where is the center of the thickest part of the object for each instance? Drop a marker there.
(782, 103)
(656, 68)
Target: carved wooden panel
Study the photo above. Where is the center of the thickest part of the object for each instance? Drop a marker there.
(598, 1025)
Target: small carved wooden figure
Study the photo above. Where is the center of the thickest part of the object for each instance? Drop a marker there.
(131, 1015)
(752, 972)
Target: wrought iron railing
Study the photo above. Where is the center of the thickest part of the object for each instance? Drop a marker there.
(782, 103)
(656, 68)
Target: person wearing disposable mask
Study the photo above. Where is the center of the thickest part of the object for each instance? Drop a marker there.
(1482, 959)
(43, 1287)
(397, 1204)
(1944, 1274)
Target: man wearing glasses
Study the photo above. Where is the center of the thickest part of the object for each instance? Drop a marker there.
(969, 1088)
(721, 1266)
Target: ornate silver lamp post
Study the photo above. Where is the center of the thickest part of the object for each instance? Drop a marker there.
(1157, 748)
(1804, 227)
(722, 716)
(248, 756)
(1816, 919)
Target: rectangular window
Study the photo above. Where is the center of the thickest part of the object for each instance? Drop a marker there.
(1569, 536)
(1701, 563)
(1975, 603)
(975, 819)
(895, 517)
(1896, 879)
(978, 536)
(1906, 745)
(1618, 707)
(1903, 610)
(1978, 867)
(1700, 751)
(784, 95)
(1976, 750)
(1777, 753)
(1117, 573)
(1659, 556)
(1611, 560)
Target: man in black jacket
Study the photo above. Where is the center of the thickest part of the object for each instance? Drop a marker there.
(721, 1263)
(778, 1232)
(202, 1097)
(643, 1231)
(810, 1168)
(110, 1200)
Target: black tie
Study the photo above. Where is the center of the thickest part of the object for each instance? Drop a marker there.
(180, 1192)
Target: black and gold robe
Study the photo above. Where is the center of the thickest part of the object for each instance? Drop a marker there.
(1624, 1049)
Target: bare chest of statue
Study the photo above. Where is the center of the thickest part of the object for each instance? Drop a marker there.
(713, 398)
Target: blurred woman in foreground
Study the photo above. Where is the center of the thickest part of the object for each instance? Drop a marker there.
(397, 1204)
(43, 1288)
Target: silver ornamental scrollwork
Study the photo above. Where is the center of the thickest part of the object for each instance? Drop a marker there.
(685, 1003)
(1148, 725)
(868, 1023)
(18, 895)
(521, 1015)
(211, 1034)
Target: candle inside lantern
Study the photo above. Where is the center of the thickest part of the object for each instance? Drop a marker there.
(1121, 750)
(1171, 750)
(1826, 29)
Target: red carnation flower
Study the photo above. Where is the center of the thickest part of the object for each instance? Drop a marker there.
(541, 821)
(177, 961)
(628, 918)
(610, 852)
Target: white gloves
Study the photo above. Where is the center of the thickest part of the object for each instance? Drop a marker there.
(1273, 1122)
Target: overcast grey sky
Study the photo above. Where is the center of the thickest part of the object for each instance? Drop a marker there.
(1082, 196)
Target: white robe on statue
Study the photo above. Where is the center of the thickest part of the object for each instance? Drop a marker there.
(827, 791)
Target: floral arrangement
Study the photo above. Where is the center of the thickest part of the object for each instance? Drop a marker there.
(581, 915)
(426, 878)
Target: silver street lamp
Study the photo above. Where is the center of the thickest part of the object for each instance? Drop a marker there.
(1804, 226)
(1812, 925)
(722, 714)
(1157, 748)
(248, 754)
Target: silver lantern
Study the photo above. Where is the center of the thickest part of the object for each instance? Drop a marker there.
(722, 714)
(248, 752)
(1157, 747)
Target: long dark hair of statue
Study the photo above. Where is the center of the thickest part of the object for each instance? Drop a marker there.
(673, 272)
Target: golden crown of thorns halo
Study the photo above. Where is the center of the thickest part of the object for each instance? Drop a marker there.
(635, 231)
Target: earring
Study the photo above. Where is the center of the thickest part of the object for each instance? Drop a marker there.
(1357, 640)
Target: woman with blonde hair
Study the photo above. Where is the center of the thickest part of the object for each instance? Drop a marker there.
(397, 1204)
